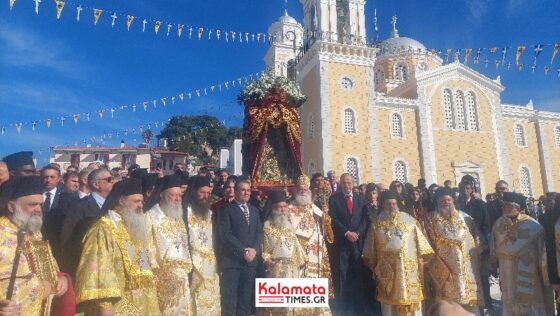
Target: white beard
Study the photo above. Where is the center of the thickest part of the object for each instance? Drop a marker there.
(173, 211)
(281, 221)
(445, 210)
(26, 221)
(304, 199)
(136, 224)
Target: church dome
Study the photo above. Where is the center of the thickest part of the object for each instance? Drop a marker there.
(287, 19)
(397, 44)
(402, 44)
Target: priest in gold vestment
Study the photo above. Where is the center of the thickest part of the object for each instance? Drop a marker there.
(282, 253)
(171, 248)
(455, 268)
(36, 279)
(205, 283)
(115, 274)
(517, 252)
(310, 224)
(395, 249)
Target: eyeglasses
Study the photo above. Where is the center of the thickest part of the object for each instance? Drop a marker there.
(108, 179)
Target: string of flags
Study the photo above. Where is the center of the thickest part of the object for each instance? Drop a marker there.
(141, 106)
(151, 24)
(501, 56)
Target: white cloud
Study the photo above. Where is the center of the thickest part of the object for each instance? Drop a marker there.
(477, 9)
(23, 48)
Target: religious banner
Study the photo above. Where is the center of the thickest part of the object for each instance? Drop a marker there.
(272, 135)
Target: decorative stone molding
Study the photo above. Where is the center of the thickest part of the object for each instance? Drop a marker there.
(372, 122)
(468, 167)
(544, 156)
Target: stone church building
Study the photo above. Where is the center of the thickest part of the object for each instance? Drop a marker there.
(394, 110)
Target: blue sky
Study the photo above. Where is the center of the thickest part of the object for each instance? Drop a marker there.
(51, 67)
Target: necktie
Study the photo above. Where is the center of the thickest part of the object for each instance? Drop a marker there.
(245, 213)
(47, 204)
(349, 204)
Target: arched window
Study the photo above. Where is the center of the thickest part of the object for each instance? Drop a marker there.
(399, 171)
(448, 109)
(525, 181)
(311, 169)
(472, 111)
(401, 72)
(460, 110)
(396, 125)
(519, 133)
(353, 169)
(310, 126)
(349, 121)
(379, 76)
(557, 136)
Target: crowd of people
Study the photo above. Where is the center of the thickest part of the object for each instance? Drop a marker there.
(134, 242)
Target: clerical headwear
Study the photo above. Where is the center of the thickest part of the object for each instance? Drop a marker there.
(149, 182)
(303, 181)
(25, 186)
(139, 173)
(19, 159)
(171, 181)
(443, 191)
(515, 198)
(277, 196)
(388, 195)
(198, 182)
(122, 188)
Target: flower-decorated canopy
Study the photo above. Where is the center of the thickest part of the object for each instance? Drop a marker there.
(257, 90)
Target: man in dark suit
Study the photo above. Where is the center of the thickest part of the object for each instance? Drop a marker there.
(51, 188)
(80, 216)
(241, 237)
(350, 222)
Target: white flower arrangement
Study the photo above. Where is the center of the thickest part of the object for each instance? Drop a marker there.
(257, 89)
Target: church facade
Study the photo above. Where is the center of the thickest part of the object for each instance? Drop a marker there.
(396, 111)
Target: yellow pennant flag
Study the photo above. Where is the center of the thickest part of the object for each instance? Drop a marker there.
(96, 15)
(197, 92)
(12, 4)
(129, 19)
(76, 117)
(468, 52)
(226, 84)
(497, 63)
(493, 49)
(145, 105)
(200, 31)
(520, 67)
(520, 50)
(181, 96)
(18, 127)
(59, 7)
(233, 36)
(554, 52)
(164, 101)
(49, 122)
(156, 26)
(246, 37)
(546, 69)
(269, 37)
(100, 114)
(212, 88)
(259, 37)
(218, 33)
(179, 29)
